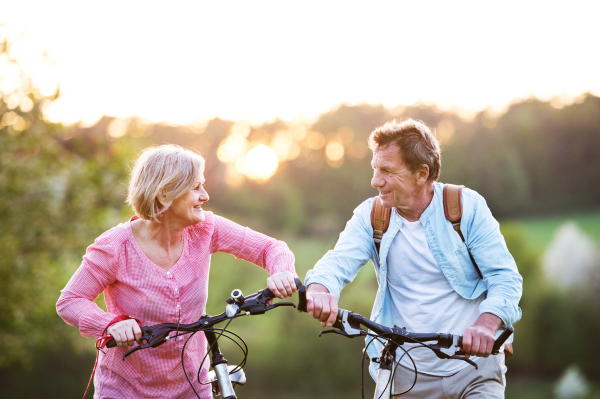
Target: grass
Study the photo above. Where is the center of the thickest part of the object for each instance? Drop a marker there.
(541, 230)
(538, 389)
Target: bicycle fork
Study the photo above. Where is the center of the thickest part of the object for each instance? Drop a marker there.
(383, 389)
(219, 365)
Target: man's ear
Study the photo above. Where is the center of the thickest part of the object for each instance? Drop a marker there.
(423, 173)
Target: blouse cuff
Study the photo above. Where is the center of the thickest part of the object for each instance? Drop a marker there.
(281, 260)
(93, 323)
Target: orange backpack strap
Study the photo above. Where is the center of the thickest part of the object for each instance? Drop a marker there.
(453, 211)
(453, 206)
(380, 220)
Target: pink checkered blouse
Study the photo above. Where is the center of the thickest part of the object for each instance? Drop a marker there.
(136, 287)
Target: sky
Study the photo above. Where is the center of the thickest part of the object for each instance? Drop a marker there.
(181, 62)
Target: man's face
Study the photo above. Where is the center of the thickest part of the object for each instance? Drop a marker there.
(394, 180)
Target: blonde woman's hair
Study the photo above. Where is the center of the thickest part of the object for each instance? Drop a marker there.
(161, 175)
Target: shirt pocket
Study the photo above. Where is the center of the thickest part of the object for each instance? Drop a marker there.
(465, 261)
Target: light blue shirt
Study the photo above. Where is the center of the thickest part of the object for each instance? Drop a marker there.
(501, 282)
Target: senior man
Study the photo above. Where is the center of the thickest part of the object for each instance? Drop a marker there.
(427, 280)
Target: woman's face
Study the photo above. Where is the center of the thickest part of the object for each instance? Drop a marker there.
(188, 208)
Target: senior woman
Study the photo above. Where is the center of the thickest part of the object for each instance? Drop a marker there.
(155, 268)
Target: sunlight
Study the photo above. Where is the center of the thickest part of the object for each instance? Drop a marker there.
(261, 163)
(232, 148)
(334, 151)
(281, 144)
(316, 140)
(241, 128)
(118, 128)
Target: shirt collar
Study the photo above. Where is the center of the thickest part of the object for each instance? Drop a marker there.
(434, 204)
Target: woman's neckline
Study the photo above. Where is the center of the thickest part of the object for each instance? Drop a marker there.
(139, 249)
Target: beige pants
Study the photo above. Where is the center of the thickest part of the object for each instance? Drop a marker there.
(487, 382)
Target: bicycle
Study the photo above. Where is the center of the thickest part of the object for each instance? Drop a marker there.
(223, 378)
(349, 324)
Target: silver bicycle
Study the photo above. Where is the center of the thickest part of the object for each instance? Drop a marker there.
(222, 377)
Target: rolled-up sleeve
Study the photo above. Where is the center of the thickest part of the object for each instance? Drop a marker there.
(351, 252)
(251, 246)
(498, 267)
(76, 303)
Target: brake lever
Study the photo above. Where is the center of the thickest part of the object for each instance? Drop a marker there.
(135, 348)
(342, 327)
(443, 355)
(260, 308)
(153, 338)
(472, 363)
(273, 306)
(343, 333)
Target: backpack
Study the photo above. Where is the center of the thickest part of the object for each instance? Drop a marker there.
(380, 220)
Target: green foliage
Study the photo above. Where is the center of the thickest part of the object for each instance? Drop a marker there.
(56, 195)
(53, 204)
(57, 372)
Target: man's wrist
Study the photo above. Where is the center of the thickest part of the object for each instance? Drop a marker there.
(316, 287)
(489, 321)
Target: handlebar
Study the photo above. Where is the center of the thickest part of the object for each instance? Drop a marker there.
(237, 306)
(349, 324)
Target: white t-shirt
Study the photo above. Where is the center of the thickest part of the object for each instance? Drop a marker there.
(423, 301)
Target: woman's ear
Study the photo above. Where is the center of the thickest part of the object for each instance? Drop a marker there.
(162, 197)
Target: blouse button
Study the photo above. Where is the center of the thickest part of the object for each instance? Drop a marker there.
(175, 289)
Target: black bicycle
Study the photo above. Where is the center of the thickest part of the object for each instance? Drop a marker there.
(223, 377)
(445, 346)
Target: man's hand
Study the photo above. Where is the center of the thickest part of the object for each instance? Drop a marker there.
(282, 284)
(321, 305)
(478, 340)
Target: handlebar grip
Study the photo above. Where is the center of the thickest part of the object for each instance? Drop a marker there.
(302, 299)
(267, 292)
(301, 295)
(502, 338)
(112, 343)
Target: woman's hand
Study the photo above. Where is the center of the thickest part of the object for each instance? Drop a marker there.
(282, 284)
(126, 332)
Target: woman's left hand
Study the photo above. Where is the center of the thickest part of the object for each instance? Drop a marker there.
(282, 284)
